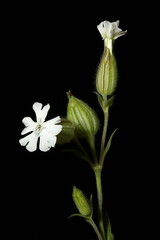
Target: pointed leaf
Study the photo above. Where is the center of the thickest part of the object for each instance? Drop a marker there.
(109, 143)
(76, 215)
(100, 99)
(108, 229)
(110, 101)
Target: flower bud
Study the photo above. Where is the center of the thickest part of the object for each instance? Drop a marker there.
(106, 78)
(81, 202)
(83, 117)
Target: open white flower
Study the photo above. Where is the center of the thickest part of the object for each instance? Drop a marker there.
(110, 30)
(46, 131)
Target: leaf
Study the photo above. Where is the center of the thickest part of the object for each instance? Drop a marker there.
(76, 215)
(109, 232)
(108, 229)
(110, 101)
(109, 143)
(100, 99)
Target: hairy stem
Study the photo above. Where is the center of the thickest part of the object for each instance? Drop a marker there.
(97, 171)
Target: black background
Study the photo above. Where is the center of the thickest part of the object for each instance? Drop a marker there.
(50, 49)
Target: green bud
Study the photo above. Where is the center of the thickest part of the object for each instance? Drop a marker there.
(83, 117)
(106, 78)
(67, 133)
(81, 202)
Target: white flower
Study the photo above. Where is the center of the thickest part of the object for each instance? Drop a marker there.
(110, 30)
(46, 131)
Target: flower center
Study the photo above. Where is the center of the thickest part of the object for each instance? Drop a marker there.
(39, 128)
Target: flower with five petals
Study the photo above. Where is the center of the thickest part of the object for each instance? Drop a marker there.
(46, 132)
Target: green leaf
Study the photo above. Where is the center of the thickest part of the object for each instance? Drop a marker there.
(76, 215)
(109, 143)
(110, 101)
(109, 232)
(100, 99)
(108, 229)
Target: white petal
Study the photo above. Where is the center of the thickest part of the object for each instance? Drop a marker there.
(102, 30)
(117, 30)
(28, 121)
(115, 24)
(52, 121)
(37, 108)
(44, 112)
(40, 112)
(47, 140)
(31, 141)
(54, 129)
(27, 130)
(44, 144)
(57, 129)
(25, 140)
(32, 145)
(120, 34)
(108, 28)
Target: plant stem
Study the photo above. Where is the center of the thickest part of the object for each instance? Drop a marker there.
(103, 140)
(97, 171)
(95, 228)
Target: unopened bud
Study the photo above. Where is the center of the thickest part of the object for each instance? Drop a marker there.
(106, 79)
(83, 117)
(81, 202)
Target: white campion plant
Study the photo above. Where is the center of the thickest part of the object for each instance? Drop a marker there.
(82, 123)
(45, 131)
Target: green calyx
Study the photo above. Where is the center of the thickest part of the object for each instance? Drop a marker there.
(106, 78)
(83, 117)
(68, 132)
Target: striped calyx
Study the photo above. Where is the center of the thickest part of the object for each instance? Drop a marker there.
(83, 117)
(106, 78)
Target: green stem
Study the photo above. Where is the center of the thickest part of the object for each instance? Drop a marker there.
(95, 228)
(93, 151)
(106, 116)
(97, 171)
